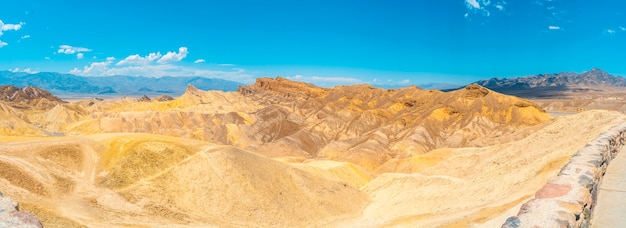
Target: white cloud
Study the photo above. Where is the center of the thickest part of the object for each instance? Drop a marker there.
(325, 81)
(25, 37)
(199, 61)
(472, 3)
(80, 56)
(8, 27)
(335, 79)
(171, 57)
(153, 56)
(136, 59)
(226, 65)
(610, 31)
(70, 50)
(111, 58)
(483, 7)
(622, 28)
(554, 27)
(27, 70)
(405, 81)
(94, 69)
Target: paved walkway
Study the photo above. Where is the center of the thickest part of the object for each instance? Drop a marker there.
(610, 209)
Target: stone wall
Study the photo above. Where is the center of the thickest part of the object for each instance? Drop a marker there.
(568, 199)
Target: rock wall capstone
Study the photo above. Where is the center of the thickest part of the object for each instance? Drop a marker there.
(568, 199)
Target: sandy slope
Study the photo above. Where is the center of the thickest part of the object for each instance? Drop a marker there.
(149, 180)
(468, 185)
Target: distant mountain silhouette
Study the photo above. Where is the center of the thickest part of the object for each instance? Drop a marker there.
(64, 84)
(554, 85)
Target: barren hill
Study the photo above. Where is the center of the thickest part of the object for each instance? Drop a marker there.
(367, 125)
(278, 117)
(287, 154)
(29, 95)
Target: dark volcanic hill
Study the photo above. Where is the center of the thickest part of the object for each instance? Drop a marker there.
(555, 85)
(64, 84)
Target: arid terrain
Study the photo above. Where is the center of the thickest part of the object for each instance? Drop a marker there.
(279, 153)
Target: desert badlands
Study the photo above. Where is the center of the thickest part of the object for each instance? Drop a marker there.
(279, 153)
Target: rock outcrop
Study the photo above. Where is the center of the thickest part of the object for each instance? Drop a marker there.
(11, 216)
(29, 96)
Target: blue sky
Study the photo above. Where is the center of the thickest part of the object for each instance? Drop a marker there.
(324, 42)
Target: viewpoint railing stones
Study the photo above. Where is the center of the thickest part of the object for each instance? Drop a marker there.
(568, 199)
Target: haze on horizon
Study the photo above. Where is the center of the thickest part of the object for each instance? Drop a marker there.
(327, 43)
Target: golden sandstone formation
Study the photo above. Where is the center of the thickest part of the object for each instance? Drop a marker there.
(280, 153)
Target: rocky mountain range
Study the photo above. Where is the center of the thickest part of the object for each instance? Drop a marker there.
(68, 84)
(555, 85)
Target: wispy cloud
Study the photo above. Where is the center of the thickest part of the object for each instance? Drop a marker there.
(110, 58)
(25, 37)
(325, 81)
(109, 69)
(335, 79)
(199, 61)
(8, 27)
(80, 56)
(27, 70)
(473, 4)
(226, 65)
(483, 7)
(613, 31)
(500, 7)
(554, 27)
(70, 50)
